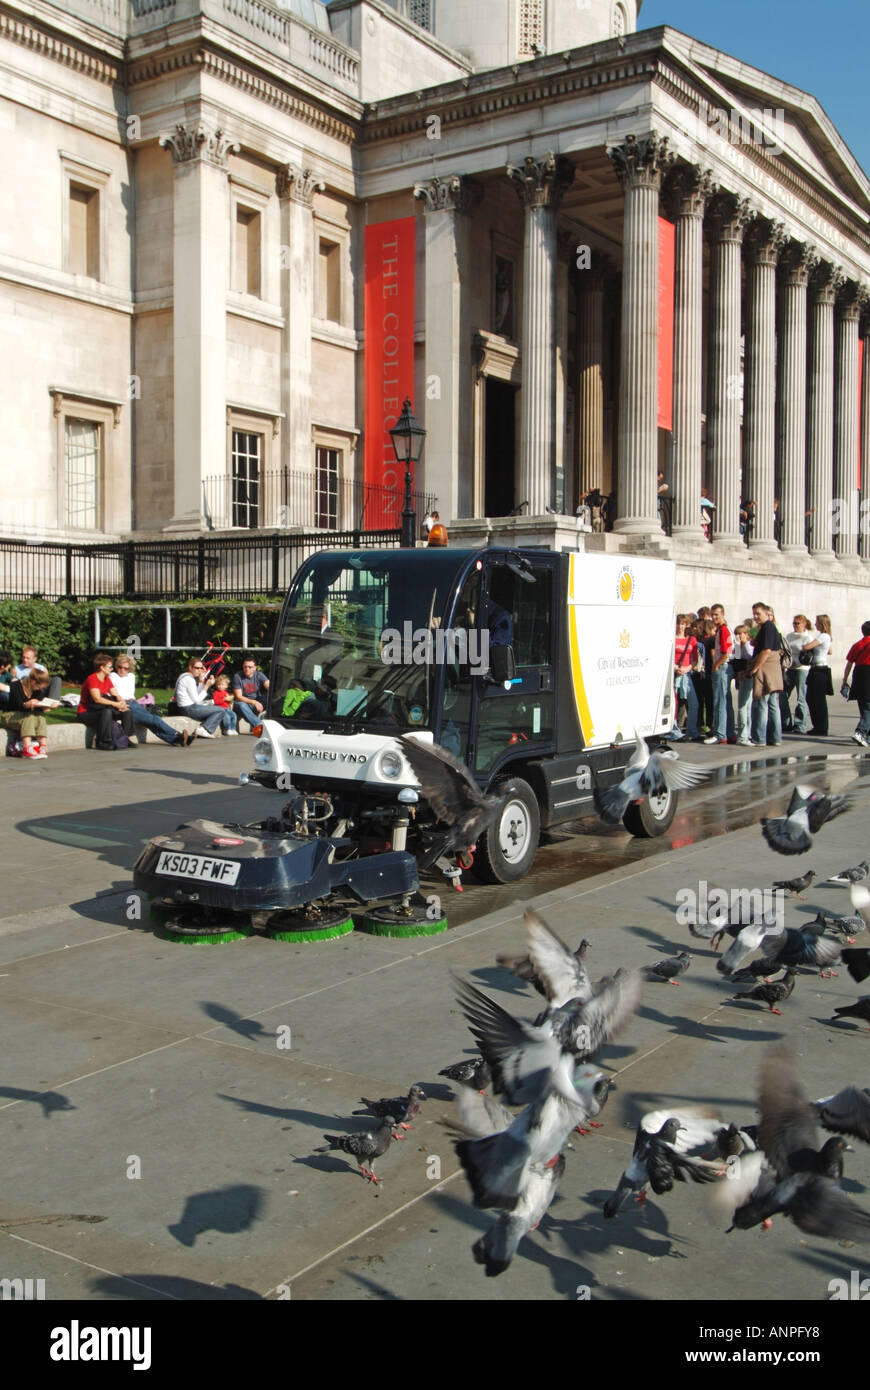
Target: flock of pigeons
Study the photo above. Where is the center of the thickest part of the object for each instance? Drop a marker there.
(546, 1082)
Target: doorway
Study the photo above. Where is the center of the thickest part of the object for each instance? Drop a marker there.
(500, 448)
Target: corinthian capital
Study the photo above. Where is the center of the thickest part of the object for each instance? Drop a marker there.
(540, 183)
(641, 162)
(851, 301)
(198, 142)
(828, 280)
(730, 216)
(453, 193)
(798, 261)
(690, 189)
(292, 181)
(765, 241)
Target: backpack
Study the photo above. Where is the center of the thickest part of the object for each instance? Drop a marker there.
(786, 655)
(119, 738)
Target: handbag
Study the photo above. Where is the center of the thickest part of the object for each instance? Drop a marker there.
(119, 738)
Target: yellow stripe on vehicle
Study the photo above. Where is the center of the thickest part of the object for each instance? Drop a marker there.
(584, 714)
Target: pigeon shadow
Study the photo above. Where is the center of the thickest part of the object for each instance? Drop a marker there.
(229, 1210)
(594, 1234)
(325, 1163)
(387, 1295)
(48, 1100)
(305, 1117)
(248, 1028)
(498, 977)
(146, 1288)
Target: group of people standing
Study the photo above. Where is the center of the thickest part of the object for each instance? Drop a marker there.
(765, 667)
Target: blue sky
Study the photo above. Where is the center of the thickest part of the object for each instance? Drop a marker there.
(822, 48)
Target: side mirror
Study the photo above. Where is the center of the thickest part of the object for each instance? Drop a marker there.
(502, 663)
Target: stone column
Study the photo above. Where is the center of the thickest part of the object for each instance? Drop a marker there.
(764, 242)
(448, 204)
(730, 217)
(640, 165)
(797, 263)
(846, 425)
(693, 188)
(865, 448)
(820, 413)
(590, 374)
(539, 184)
(296, 188)
(566, 242)
(200, 279)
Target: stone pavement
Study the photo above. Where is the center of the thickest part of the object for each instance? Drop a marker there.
(126, 1054)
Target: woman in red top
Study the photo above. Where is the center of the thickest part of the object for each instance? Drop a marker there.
(685, 655)
(100, 704)
(859, 657)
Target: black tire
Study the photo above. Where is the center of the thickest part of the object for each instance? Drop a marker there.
(651, 819)
(506, 851)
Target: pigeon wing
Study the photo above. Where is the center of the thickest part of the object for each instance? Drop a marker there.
(445, 782)
(748, 1177)
(786, 1131)
(664, 773)
(611, 803)
(861, 902)
(746, 941)
(848, 1112)
(821, 1208)
(788, 834)
(478, 1116)
(601, 1018)
(825, 808)
(561, 974)
(700, 1125)
(523, 1059)
(857, 962)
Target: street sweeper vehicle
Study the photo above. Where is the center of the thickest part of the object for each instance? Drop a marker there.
(532, 673)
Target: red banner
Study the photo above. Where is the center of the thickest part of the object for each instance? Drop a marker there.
(667, 244)
(389, 365)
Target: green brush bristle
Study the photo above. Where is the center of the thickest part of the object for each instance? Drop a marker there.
(202, 938)
(313, 934)
(396, 929)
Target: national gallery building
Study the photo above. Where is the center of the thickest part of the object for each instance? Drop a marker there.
(603, 260)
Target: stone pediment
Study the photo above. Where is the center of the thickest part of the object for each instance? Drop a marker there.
(795, 127)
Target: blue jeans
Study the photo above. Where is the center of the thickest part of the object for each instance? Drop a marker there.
(149, 720)
(796, 679)
(723, 709)
(864, 721)
(210, 716)
(243, 711)
(744, 708)
(767, 718)
(685, 691)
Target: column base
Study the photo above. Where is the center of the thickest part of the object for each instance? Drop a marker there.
(689, 533)
(189, 521)
(826, 554)
(850, 559)
(767, 545)
(794, 550)
(729, 542)
(638, 526)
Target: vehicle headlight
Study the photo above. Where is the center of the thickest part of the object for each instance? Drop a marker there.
(390, 764)
(262, 752)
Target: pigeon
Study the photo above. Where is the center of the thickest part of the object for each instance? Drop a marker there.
(802, 946)
(646, 773)
(661, 1146)
(472, 1072)
(402, 1108)
(524, 1057)
(796, 886)
(807, 812)
(851, 924)
(848, 1112)
(806, 1179)
(847, 876)
(667, 969)
(860, 1009)
(750, 1179)
(497, 1247)
(453, 794)
(861, 903)
(365, 1147)
(857, 962)
(753, 971)
(498, 1165)
(776, 992)
(734, 1140)
(748, 940)
(549, 966)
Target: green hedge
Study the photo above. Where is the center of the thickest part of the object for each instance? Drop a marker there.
(64, 634)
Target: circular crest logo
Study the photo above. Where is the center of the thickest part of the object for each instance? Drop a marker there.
(625, 584)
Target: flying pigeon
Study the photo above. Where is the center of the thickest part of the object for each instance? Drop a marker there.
(747, 940)
(471, 1072)
(807, 812)
(750, 1180)
(861, 903)
(365, 1147)
(525, 1058)
(848, 1112)
(452, 793)
(796, 886)
(669, 968)
(857, 962)
(646, 774)
(806, 1179)
(402, 1108)
(498, 1246)
(860, 1009)
(776, 992)
(555, 972)
(847, 876)
(661, 1146)
(802, 946)
(731, 1141)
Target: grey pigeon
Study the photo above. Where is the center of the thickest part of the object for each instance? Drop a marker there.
(669, 968)
(806, 1179)
(402, 1108)
(471, 1072)
(451, 791)
(497, 1247)
(802, 946)
(773, 992)
(855, 875)
(748, 939)
(848, 1112)
(796, 886)
(365, 1147)
(646, 774)
(525, 1058)
(732, 1140)
(660, 1157)
(553, 970)
(807, 812)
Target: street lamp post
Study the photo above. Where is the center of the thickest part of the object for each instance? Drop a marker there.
(408, 437)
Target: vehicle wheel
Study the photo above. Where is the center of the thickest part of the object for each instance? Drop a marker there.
(652, 817)
(506, 851)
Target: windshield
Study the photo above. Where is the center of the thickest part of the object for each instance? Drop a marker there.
(358, 635)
